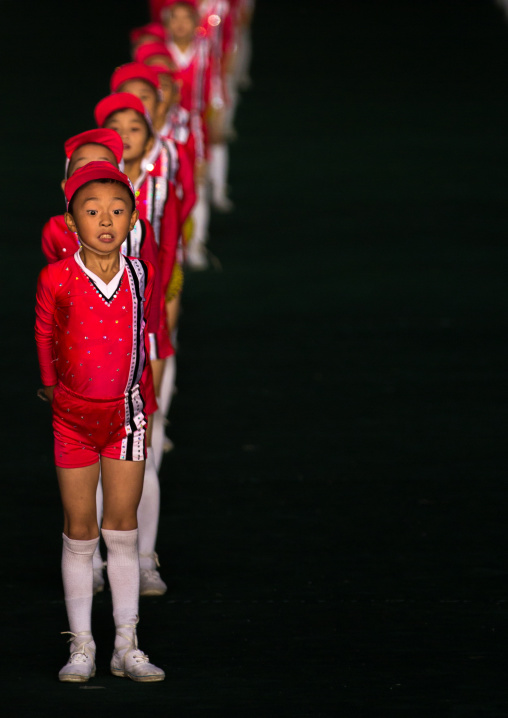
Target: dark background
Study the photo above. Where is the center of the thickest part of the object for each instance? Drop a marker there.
(333, 526)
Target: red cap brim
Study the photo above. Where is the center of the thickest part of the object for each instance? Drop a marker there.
(108, 138)
(95, 171)
(119, 101)
(133, 71)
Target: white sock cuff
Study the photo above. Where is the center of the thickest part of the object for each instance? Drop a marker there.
(121, 542)
(85, 548)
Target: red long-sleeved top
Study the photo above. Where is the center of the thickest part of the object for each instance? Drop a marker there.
(96, 347)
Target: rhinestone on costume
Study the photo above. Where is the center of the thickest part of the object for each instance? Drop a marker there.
(214, 20)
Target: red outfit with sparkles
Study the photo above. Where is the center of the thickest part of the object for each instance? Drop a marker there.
(95, 349)
(58, 242)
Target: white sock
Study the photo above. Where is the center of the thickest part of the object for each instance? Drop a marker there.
(201, 217)
(99, 502)
(158, 433)
(148, 513)
(218, 168)
(77, 577)
(167, 384)
(123, 574)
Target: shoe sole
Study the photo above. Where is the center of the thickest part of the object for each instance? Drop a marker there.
(153, 592)
(76, 677)
(138, 679)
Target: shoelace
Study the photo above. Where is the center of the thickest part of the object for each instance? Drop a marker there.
(132, 643)
(80, 655)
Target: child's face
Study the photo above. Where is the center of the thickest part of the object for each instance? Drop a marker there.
(181, 24)
(146, 93)
(163, 60)
(132, 129)
(102, 216)
(90, 153)
(167, 92)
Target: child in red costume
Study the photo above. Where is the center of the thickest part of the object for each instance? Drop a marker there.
(150, 164)
(217, 22)
(59, 243)
(91, 319)
(190, 51)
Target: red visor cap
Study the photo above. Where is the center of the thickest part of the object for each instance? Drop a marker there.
(115, 102)
(108, 138)
(153, 28)
(150, 49)
(133, 71)
(95, 171)
(192, 3)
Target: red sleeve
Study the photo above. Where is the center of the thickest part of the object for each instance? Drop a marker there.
(207, 84)
(169, 233)
(48, 245)
(190, 148)
(148, 253)
(156, 8)
(227, 34)
(185, 177)
(149, 293)
(45, 305)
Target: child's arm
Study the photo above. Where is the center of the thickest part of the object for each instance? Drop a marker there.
(48, 245)
(149, 254)
(45, 305)
(185, 176)
(169, 231)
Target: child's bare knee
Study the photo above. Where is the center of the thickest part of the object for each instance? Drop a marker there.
(82, 531)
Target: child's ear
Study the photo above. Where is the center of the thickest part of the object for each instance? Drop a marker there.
(62, 184)
(69, 221)
(134, 219)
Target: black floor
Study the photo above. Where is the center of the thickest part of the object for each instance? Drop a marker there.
(333, 528)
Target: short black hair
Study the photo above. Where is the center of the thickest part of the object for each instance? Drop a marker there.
(104, 180)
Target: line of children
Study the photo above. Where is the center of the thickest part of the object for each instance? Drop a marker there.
(108, 301)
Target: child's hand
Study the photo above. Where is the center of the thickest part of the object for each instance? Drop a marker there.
(46, 393)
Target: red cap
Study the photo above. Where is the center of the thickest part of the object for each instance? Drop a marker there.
(133, 71)
(119, 101)
(153, 28)
(192, 3)
(95, 171)
(150, 49)
(108, 138)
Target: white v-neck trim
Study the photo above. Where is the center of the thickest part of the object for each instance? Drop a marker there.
(106, 289)
(182, 59)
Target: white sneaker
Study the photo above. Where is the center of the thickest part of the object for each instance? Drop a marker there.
(98, 580)
(196, 257)
(223, 204)
(81, 664)
(167, 444)
(150, 583)
(129, 662)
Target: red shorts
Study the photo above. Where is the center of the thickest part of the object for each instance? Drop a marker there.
(86, 429)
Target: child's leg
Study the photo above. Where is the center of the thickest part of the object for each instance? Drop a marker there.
(122, 485)
(78, 489)
(196, 252)
(219, 167)
(98, 563)
(151, 583)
